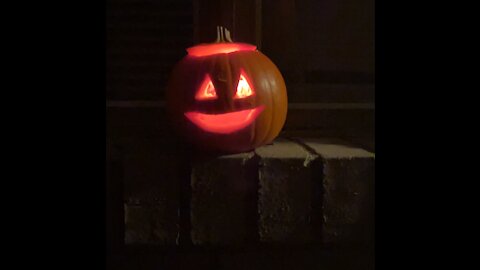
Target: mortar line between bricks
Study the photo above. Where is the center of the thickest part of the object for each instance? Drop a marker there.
(258, 166)
(304, 146)
(319, 184)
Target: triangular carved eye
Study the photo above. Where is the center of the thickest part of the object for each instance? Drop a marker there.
(206, 90)
(243, 88)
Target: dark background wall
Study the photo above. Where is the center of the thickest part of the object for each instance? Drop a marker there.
(328, 41)
(144, 40)
(337, 37)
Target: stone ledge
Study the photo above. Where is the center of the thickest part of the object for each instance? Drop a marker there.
(149, 224)
(289, 194)
(295, 191)
(348, 191)
(223, 202)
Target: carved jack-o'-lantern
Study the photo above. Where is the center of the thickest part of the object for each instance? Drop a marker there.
(227, 96)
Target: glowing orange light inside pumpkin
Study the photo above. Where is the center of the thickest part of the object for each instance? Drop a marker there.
(226, 122)
(243, 88)
(206, 90)
(216, 48)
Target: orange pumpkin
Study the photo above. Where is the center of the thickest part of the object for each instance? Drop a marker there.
(227, 96)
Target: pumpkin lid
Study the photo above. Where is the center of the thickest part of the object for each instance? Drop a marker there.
(216, 48)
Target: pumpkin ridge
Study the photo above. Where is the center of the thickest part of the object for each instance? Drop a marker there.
(277, 100)
(229, 82)
(254, 68)
(261, 62)
(246, 69)
(217, 64)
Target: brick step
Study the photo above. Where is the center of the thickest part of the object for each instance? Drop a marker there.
(295, 191)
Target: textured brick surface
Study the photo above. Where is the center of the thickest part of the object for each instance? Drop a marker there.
(114, 202)
(289, 195)
(348, 191)
(147, 224)
(312, 192)
(151, 173)
(223, 204)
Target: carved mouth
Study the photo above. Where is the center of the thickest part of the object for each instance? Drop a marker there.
(225, 123)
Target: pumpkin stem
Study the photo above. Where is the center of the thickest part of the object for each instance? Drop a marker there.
(223, 35)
